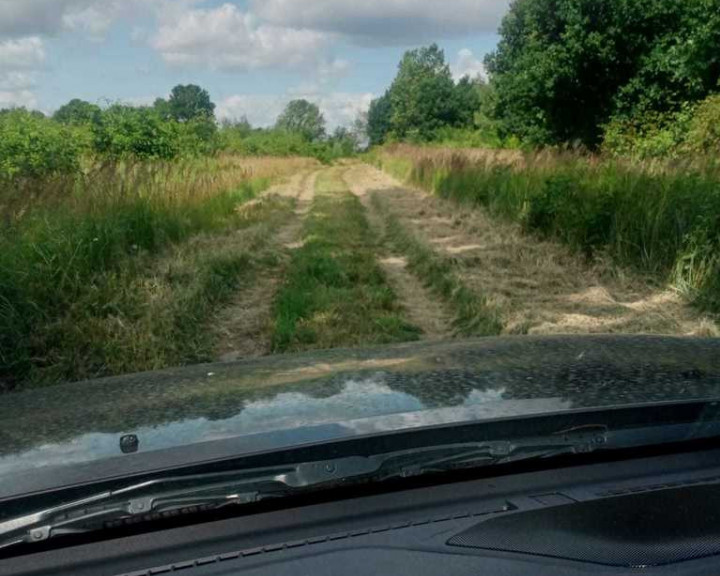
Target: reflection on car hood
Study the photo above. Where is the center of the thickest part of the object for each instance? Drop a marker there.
(363, 391)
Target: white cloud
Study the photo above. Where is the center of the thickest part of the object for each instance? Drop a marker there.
(93, 18)
(339, 108)
(226, 38)
(386, 21)
(19, 61)
(15, 98)
(468, 65)
(22, 54)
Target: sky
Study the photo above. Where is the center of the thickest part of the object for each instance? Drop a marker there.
(253, 56)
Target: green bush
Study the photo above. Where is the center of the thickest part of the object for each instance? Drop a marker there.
(126, 131)
(33, 146)
(703, 135)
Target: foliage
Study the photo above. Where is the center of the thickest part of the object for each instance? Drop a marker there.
(33, 146)
(78, 112)
(125, 131)
(703, 136)
(304, 118)
(422, 96)
(564, 68)
(694, 130)
(186, 103)
(379, 119)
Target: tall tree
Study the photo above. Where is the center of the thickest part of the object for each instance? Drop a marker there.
(302, 117)
(421, 96)
(564, 67)
(187, 102)
(77, 112)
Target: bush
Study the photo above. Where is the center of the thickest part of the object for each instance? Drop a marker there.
(126, 131)
(33, 146)
(704, 130)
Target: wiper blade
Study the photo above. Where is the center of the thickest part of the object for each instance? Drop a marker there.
(168, 496)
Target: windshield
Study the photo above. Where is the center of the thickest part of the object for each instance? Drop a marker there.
(251, 225)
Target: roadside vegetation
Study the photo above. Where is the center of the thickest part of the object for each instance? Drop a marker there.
(597, 127)
(75, 251)
(336, 295)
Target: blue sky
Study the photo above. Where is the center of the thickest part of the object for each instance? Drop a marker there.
(253, 56)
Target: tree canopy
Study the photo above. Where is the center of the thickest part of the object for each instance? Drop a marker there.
(378, 119)
(186, 102)
(422, 95)
(77, 112)
(563, 68)
(302, 117)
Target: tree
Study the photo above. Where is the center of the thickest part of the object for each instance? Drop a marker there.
(421, 97)
(77, 112)
(302, 117)
(563, 68)
(379, 119)
(186, 103)
(468, 94)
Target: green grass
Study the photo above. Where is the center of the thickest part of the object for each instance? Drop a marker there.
(336, 294)
(473, 315)
(80, 295)
(663, 221)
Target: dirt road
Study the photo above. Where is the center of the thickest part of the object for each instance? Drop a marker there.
(531, 286)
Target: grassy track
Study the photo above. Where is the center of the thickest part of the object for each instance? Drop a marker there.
(336, 294)
(473, 315)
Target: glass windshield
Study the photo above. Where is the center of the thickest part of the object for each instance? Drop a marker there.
(306, 221)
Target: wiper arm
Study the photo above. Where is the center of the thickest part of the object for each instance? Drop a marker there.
(166, 496)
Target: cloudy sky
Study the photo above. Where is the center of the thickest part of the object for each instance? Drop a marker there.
(252, 55)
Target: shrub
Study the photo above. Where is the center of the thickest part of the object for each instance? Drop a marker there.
(33, 146)
(126, 131)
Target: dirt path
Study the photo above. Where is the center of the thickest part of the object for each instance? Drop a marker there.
(539, 287)
(243, 329)
(422, 309)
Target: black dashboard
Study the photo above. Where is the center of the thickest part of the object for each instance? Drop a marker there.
(657, 515)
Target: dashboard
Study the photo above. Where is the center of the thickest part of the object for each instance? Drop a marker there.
(659, 515)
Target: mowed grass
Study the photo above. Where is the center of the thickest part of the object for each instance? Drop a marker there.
(660, 219)
(336, 294)
(83, 293)
(473, 315)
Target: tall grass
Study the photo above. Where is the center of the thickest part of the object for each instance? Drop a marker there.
(69, 244)
(660, 218)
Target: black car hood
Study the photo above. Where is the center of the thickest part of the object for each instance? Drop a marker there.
(341, 393)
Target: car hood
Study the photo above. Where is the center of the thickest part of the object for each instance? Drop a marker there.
(336, 394)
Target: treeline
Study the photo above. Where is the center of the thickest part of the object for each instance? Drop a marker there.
(636, 78)
(184, 125)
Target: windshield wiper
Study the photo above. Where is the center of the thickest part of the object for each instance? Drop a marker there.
(168, 496)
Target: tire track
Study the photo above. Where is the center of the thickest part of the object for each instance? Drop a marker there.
(243, 329)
